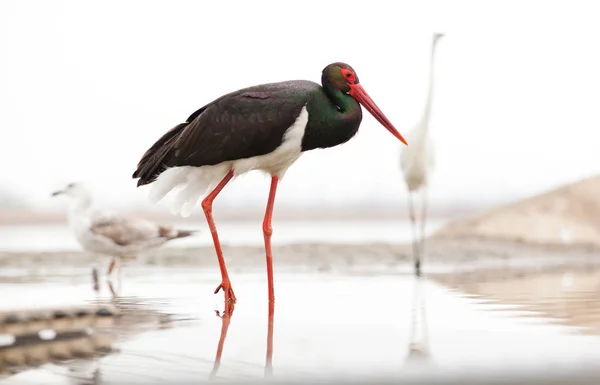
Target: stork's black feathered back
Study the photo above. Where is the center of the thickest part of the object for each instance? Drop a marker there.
(243, 124)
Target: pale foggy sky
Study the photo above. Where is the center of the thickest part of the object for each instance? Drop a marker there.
(86, 87)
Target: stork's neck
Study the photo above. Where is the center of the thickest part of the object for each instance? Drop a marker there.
(346, 104)
(333, 118)
(429, 99)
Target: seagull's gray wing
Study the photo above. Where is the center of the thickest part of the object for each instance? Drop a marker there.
(126, 231)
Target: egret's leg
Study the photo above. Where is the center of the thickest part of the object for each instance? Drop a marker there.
(411, 212)
(425, 201)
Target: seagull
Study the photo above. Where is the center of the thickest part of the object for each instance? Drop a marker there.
(106, 232)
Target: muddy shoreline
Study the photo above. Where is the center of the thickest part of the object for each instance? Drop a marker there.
(457, 256)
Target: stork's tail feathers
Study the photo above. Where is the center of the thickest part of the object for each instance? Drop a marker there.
(160, 156)
(193, 183)
(160, 167)
(156, 157)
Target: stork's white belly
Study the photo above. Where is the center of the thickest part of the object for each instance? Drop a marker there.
(195, 182)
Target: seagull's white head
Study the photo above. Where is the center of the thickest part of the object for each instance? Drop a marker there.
(80, 197)
(73, 190)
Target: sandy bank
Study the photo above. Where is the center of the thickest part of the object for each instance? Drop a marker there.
(567, 215)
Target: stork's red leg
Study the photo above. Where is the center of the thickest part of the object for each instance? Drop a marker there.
(207, 207)
(268, 231)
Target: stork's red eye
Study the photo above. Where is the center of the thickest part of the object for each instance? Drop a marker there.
(348, 74)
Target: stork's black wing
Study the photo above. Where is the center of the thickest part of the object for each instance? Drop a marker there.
(242, 124)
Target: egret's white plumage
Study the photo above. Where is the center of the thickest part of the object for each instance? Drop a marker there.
(107, 232)
(195, 182)
(417, 162)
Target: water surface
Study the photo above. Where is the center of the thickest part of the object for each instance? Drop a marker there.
(325, 325)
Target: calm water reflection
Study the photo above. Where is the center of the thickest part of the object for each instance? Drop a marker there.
(323, 326)
(567, 296)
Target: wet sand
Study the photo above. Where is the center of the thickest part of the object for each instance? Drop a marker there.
(485, 312)
(442, 255)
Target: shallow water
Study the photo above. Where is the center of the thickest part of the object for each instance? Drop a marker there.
(58, 237)
(325, 326)
(569, 295)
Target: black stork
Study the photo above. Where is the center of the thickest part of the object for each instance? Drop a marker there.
(265, 127)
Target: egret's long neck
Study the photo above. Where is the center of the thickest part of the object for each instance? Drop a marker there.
(429, 100)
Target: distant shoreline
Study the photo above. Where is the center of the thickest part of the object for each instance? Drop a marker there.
(357, 213)
(443, 256)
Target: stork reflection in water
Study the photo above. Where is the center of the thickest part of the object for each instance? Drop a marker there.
(225, 322)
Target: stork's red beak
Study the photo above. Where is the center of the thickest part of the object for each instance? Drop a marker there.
(359, 93)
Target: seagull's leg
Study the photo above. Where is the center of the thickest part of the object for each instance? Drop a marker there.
(267, 232)
(225, 320)
(411, 212)
(207, 207)
(95, 280)
(120, 274)
(112, 289)
(111, 267)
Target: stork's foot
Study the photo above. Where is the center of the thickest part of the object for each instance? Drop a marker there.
(227, 290)
(227, 312)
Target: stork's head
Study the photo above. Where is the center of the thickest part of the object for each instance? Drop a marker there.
(343, 77)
